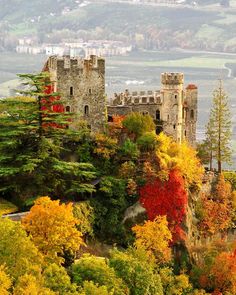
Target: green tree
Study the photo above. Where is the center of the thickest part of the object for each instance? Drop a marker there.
(137, 271)
(84, 214)
(138, 124)
(34, 146)
(89, 288)
(109, 205)
(96, 269)
(175, 284)
(219, 128)
(57, 280)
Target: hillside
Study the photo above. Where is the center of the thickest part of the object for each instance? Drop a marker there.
(145, 26)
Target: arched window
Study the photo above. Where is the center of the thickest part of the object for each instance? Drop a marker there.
(86, 110)
(158, 115)
(68, 109)
(71, 91)
(192, 114)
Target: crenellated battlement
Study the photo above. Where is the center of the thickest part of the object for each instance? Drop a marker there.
(136, 97)
(76, 63)
(172, 78)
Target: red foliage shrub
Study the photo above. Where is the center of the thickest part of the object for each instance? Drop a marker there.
(166, 198)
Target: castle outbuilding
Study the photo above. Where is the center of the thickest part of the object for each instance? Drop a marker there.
(81, 84)
(173, 108)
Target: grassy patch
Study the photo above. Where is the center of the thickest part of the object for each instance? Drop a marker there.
(7, 207)
(23, 29)
(206, 62)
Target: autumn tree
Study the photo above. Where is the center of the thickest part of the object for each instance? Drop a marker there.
(166, 198)
(17, 251)
(219, 128)
(5, 282)
(216, 209)
(155, 237)
(52, 227)
(172, 155)
(29, 284)
(105, 146)
(223, 273)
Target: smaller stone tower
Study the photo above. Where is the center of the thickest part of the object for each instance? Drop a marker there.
(190, 113)
(172, 97)
(81, 85)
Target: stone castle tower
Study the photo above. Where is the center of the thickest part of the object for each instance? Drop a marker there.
(179, 107)
(81, 85)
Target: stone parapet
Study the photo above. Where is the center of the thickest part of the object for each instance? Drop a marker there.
(172, 78)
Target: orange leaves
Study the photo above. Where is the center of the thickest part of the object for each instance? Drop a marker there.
(216, 209)
(155, 237)
(223, 273)
(105, 146)
(216, 217)
(52, 228)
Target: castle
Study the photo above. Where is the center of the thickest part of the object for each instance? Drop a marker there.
(81, 84)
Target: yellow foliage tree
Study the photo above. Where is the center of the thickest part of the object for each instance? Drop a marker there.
(5, 282)
(175, 284)
(105, 146)
(52, 227)
(17, 252)
(154, 237)
(181, 156)
(29, 285)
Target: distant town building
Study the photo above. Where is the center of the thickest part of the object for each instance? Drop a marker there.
(75, 48)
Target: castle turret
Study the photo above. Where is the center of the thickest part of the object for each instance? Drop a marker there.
(172, 96)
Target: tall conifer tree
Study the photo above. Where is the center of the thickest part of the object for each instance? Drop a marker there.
(219, 128)
(33, 150)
